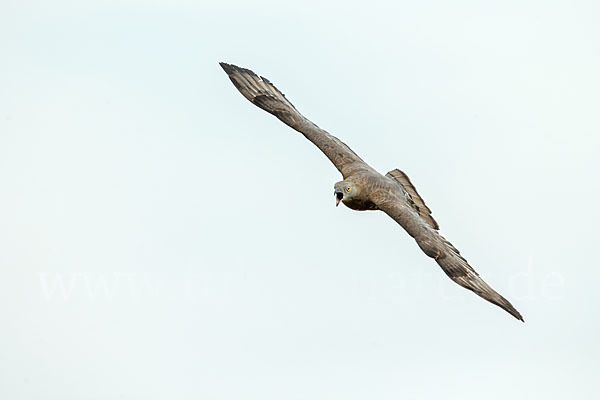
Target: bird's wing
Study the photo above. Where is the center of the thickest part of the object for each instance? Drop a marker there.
(435, 246)
(413, 196)
(265, 95)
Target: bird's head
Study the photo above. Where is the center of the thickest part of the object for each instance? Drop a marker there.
(344, 191)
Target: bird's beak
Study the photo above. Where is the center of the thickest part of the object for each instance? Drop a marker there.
(338, 197)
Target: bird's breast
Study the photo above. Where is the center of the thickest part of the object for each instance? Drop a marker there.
(360, 205)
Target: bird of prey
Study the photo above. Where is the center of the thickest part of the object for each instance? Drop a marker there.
(363, 188)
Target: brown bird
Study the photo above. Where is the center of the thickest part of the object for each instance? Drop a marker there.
(363, 188)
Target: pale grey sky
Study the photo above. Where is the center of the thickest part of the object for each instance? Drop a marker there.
(162, 238)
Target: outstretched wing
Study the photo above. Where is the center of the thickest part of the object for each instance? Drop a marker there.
(438, 248)
(265, 95)
(413, 196)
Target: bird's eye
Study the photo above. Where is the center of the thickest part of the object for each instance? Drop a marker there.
(348, 188)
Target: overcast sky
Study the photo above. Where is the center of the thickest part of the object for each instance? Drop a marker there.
(162, 238)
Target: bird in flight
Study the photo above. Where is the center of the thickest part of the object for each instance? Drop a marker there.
(363, 188)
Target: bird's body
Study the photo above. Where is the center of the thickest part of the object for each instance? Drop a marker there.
(363, 188)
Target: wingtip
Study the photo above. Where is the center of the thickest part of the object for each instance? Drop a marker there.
(228, 68)
(232, 68)
(513, 311)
